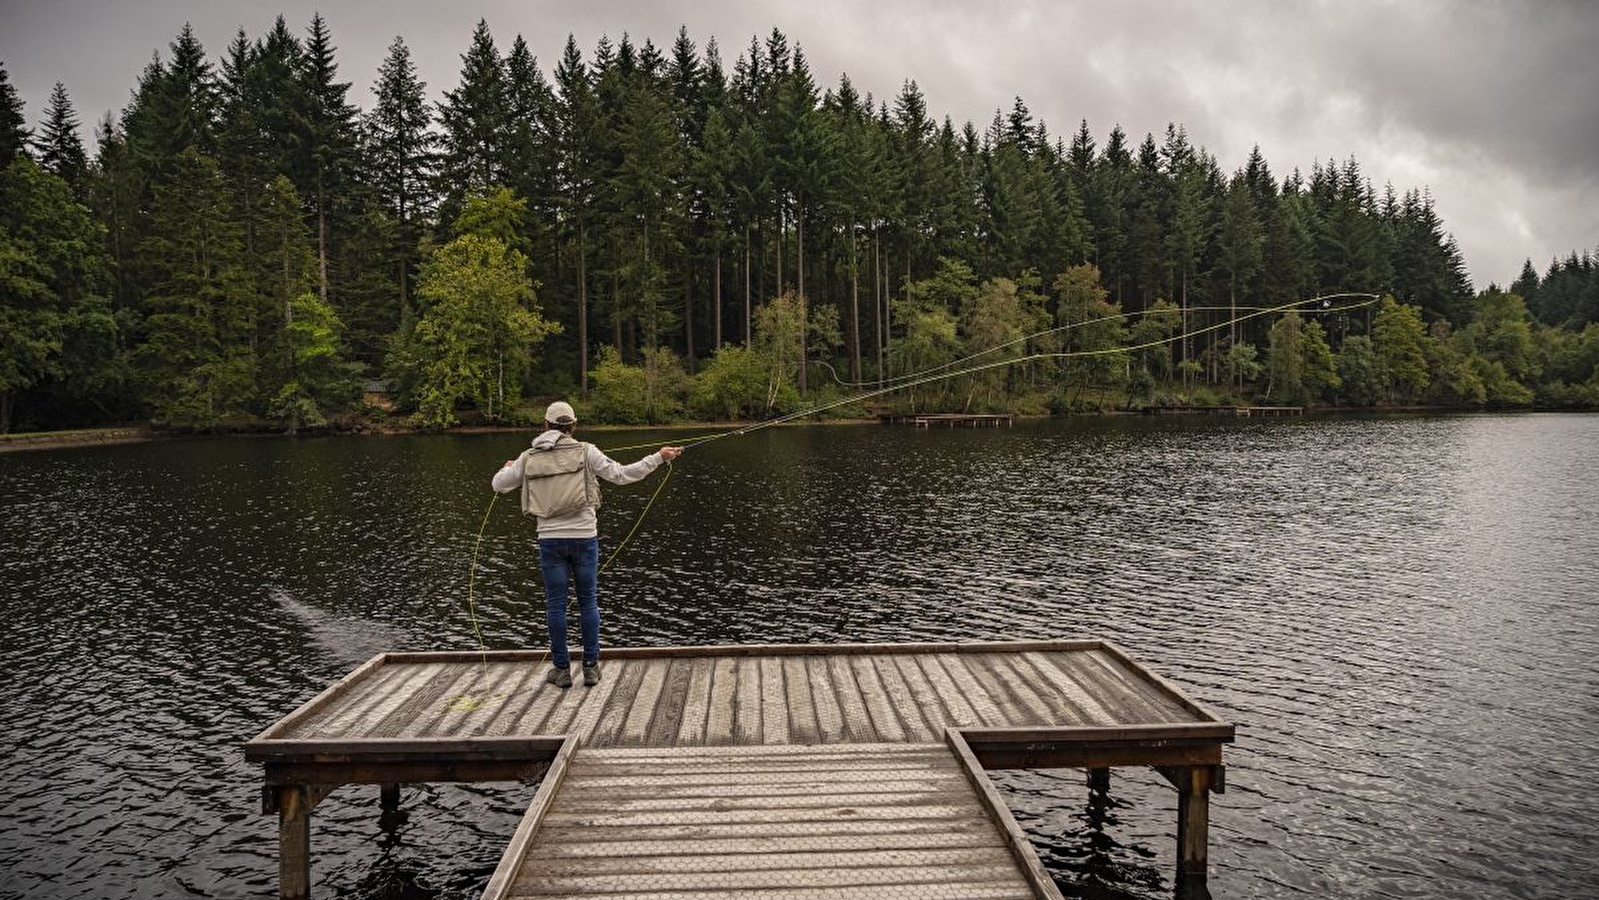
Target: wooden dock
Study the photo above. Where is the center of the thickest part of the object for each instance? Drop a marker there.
(784, 771)
(947, 420)
(1223, 410)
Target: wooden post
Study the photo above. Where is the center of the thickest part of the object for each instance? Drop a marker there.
(389, 797)
(1193, 826)
(294, 843)
(293, 804)
(1099, 781)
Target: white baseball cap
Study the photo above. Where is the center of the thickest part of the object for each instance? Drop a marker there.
(560, 413)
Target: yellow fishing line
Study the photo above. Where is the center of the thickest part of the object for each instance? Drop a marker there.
(471, 574)
(925, 377)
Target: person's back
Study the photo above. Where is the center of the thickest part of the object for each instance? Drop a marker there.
(558, 478)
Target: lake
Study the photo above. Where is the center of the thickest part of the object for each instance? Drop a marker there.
(1399, 613)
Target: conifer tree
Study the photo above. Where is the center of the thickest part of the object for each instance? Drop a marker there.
(13, 125)
(328, 152)
(58, 144)
(401, 160)
(576, 121)
(473, 118)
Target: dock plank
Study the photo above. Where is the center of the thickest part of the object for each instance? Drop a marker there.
(747, 703)
(722, 710)
(774, 702)
(802, 727)
(879, 707)
(696, 703)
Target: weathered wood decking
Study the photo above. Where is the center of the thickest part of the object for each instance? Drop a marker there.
(841, 822)
(790, 733)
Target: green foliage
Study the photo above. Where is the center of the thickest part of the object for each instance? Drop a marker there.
(994, 321)
(778, 328)
(1245, 360)
(1285, 359)
(13, 124)
(651, 393)
(1321, 369)
(197, 363)
(1360, 372)
(1400, 340)
(659, 196)
(1501, 333)
(1453, 379)
(733, 385)
(476, 336)
(319, 379)
(929, 337)
(1093, 326)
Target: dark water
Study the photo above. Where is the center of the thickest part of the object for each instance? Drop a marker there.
(1400, 614)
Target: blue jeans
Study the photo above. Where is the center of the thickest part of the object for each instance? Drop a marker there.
(563, 561)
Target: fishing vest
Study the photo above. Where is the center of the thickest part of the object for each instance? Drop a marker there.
(557, 482)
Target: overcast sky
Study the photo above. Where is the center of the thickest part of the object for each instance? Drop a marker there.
(1493, 106)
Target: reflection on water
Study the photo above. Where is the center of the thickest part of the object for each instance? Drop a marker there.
(1398, 613)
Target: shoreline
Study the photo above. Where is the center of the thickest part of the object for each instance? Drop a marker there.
(138, 434)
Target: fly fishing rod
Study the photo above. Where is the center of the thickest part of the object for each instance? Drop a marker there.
(931, 375)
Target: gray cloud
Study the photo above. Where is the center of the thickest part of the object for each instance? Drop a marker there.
(1489, 104)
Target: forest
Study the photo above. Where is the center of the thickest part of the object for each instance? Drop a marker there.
(662, 237)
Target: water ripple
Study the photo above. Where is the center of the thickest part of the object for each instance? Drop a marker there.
(1398, 613)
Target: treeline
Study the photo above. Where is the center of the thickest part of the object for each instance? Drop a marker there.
(679, 238)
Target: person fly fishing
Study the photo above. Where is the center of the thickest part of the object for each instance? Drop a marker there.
(559, 480)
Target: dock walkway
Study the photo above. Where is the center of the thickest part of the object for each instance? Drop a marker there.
(754, 770)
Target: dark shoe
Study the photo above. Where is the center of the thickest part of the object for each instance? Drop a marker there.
(591, 674)
(561, 678)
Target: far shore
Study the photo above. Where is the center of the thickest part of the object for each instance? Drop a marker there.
(139, 433)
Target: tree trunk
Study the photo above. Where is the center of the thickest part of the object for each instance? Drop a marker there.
(717, 345)
(799, 224)
(1232, 332)
(582, 312)
(746, 284)
(688, 316)
(321, 236)
(5, 412)
(1184, 347)
(854, 309)
(877, 298)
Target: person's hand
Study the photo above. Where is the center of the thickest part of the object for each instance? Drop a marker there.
(671, 453)
(510, 462)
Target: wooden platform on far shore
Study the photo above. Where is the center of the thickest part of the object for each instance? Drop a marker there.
(782, 771)
(947, 420)
(1223, 410)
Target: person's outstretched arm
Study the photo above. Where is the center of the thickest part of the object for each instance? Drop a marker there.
(616, 473)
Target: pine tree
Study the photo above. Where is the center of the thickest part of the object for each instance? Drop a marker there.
(58, 144)
(13, 125)
(575, 124)
(57, 336)
(473, 117)
(194, 362)
(329, 123)
(1239, 241)
(401, 159)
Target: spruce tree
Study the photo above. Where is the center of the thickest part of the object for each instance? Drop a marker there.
(401, 160)
(575, 126)
(328, 153)
(59, 146)
(13, 125)
(473, 117)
